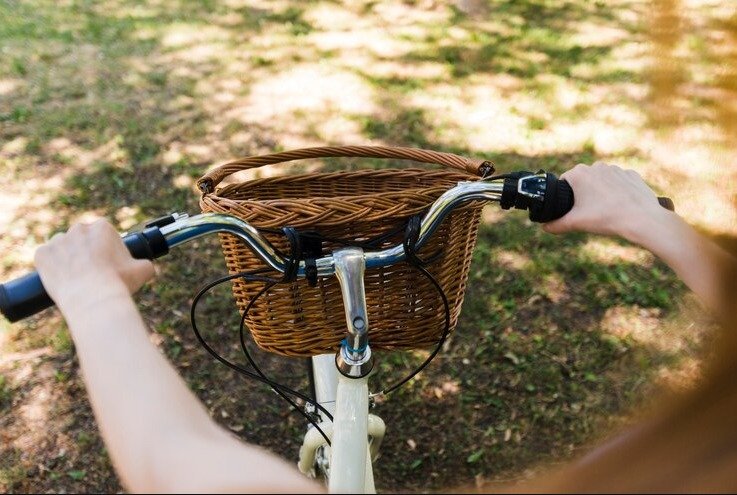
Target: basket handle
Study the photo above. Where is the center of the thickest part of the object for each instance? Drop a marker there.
(212, 178)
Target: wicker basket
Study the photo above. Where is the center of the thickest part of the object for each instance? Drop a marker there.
(404, 309)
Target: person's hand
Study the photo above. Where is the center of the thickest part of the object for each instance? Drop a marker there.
(89, 262)
(608, 200)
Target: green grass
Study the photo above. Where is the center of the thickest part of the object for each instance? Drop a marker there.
(111, 105)
(6, 393)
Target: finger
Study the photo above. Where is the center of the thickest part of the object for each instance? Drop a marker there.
(555, 227)
(40, 256)
(53, 241)
(566, 223)
(572, 172)
(89, 218)
(633, 175)
(139, 273)
(102, 225)
(47, 250)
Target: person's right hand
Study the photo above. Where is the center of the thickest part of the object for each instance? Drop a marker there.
(608, 200)
(89, 263)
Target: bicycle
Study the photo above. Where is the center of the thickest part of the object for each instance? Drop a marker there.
(345, 439)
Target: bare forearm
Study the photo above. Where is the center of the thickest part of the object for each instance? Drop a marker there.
(613, 201)
(138, 399)
(702, 265)
(158, 434)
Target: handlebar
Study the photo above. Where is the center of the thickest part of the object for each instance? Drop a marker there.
(545, 197)
(26, 296)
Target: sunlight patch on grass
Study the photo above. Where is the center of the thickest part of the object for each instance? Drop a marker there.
(28, 220)
(513, 260)
(128, 216)
(699, 174)
(306, 104)
(633, 322)
(682, 377)
(588, 33)
(9, 85)
(374, 41)
(396, 12)
(328, 16)
(307, 88)
(181, 35)
(35, 411)
(491, 215)
(478, 115)
(609, 252)
(14, 146)
(677, 335)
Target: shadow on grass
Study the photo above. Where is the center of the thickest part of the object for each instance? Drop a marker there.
(526, 39)
(530, 374)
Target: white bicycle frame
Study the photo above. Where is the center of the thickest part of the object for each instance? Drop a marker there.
(348, 463)
(341, 386)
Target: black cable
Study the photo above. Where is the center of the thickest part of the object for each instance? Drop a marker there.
(416, 262)
(241, 332)
(290, 274)
(412, 233)
(235, 367)
(253, 276)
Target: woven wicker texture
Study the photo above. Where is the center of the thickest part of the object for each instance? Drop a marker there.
(404, 309)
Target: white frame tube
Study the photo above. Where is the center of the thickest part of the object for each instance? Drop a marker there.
(350, 463)
(350, 457)
(325, 378)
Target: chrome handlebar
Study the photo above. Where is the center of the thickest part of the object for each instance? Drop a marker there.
(185, 229)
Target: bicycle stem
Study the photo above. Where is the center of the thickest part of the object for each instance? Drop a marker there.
(354, 358)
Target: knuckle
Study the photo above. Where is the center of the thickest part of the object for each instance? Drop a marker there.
(41, 253)
(578, 169)
(103, 226)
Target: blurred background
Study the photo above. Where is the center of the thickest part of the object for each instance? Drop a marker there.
(116, 107)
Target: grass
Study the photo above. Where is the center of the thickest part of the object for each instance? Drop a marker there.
(117, 108)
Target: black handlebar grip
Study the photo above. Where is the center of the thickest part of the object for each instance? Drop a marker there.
(26, 296)
(557, 202)
(23, 297)
(148, 244)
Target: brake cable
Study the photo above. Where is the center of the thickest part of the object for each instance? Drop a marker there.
(411, 235)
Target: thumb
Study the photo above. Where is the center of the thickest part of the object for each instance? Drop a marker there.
(138, 273)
